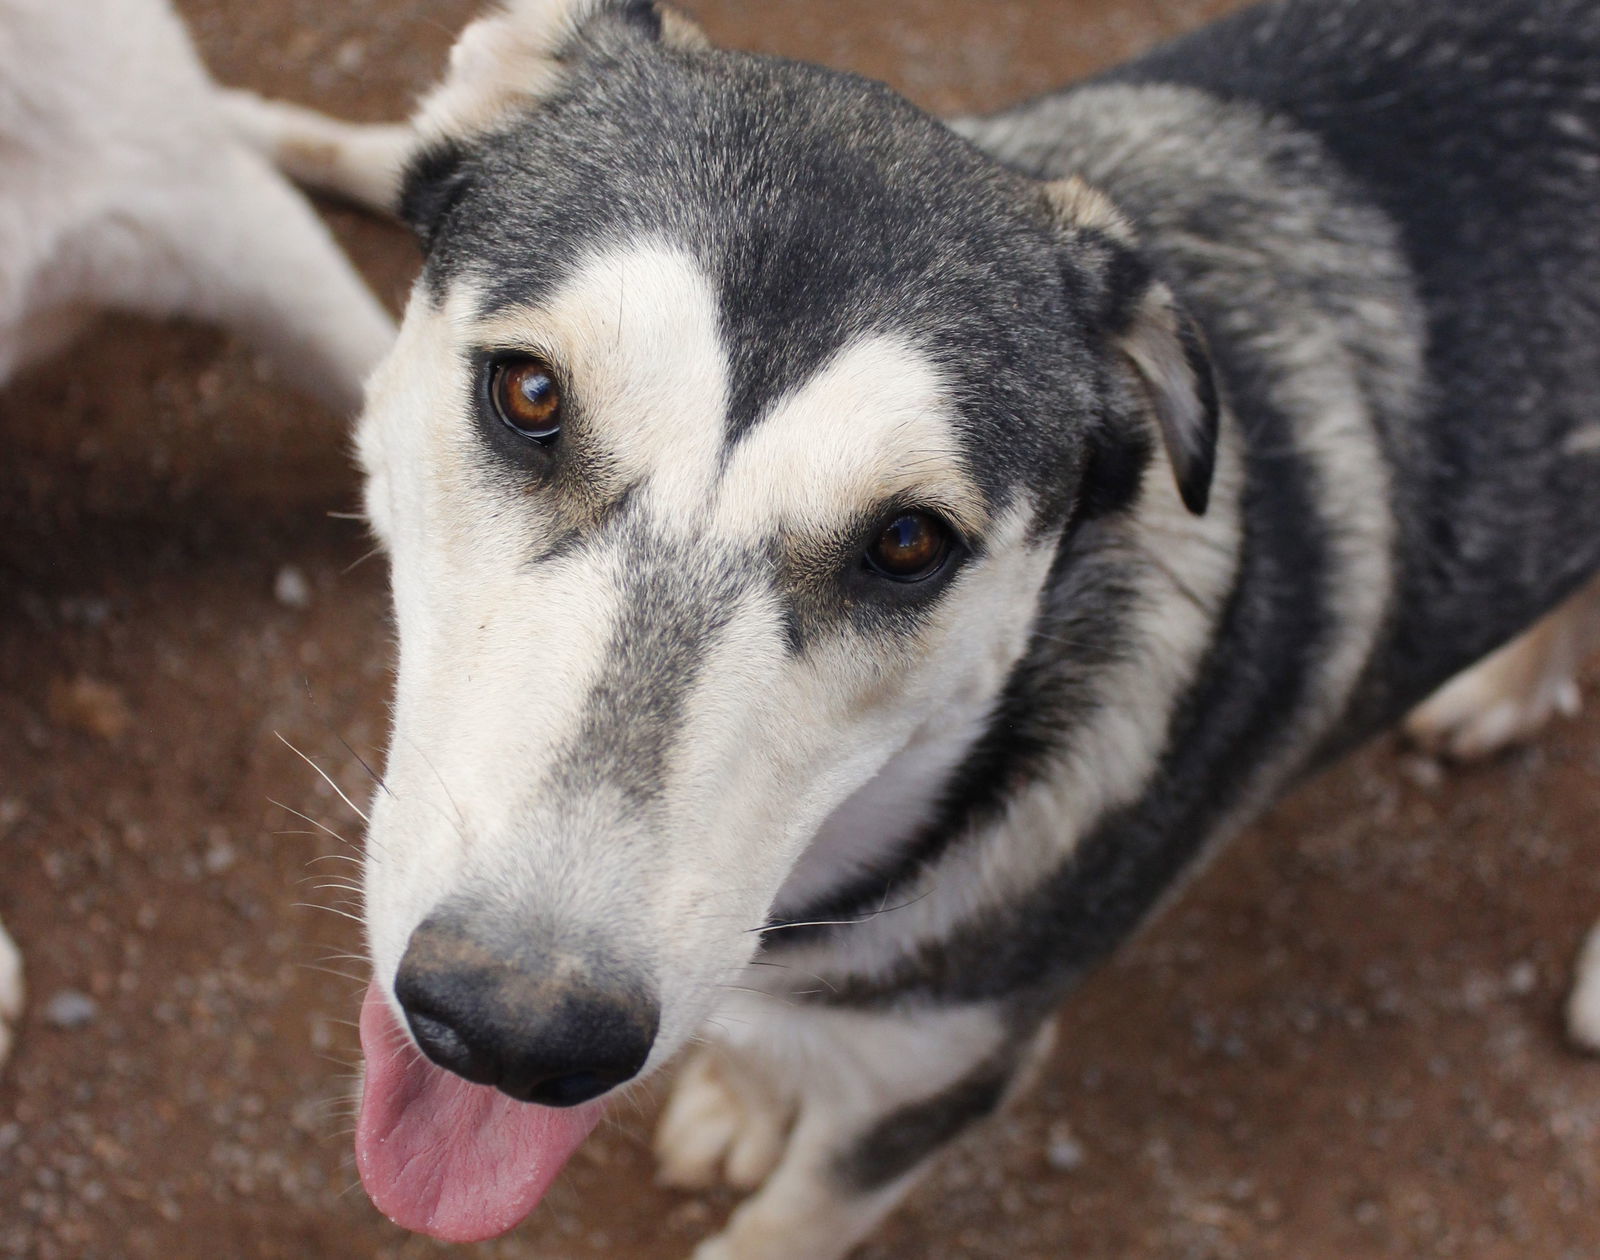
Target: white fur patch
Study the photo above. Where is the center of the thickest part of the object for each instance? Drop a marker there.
(872, 424)
(726, 1120)
(501, 63)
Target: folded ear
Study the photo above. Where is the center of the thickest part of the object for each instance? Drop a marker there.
(520, 54)
(1142, 318)
(523, 53)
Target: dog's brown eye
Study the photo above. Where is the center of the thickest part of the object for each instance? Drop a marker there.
(527, 396)
(912, 548)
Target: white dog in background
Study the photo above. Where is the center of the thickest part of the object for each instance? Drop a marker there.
(125, 183)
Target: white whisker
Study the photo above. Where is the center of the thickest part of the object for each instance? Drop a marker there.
(326, 777)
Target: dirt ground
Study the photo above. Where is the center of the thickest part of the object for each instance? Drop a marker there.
(1343, 1042)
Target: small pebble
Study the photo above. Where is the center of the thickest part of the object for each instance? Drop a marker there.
(220, 854)
(291, 589)
(90, 707)
(350, 56)
(1425, 772)
(71, 1009)
(1064, 1153)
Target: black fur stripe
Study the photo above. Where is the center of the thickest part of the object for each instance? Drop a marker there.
(904, 1138)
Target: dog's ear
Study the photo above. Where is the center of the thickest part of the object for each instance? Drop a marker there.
(520, 54)
(1139, 315)
(524, 51)
(434, 179)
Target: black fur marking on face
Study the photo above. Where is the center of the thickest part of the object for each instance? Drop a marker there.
(745, 166)
(677, 599)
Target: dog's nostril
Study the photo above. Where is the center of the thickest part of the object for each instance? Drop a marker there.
(572, 1089)
(448, 1048)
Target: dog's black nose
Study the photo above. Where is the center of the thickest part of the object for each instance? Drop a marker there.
(551, 1033)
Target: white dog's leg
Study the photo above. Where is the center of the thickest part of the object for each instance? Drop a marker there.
(1583, 1007)
(1507, 697)
(11, 992)
(254, 257)
(877, 1095)
(359, 162)
(727, 1121)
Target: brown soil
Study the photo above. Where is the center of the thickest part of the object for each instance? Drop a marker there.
(1343, 1042)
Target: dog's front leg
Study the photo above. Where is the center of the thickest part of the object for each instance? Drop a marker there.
(10, 992)
(250, 253)
(877, 1095)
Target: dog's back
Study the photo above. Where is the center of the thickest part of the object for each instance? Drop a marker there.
(1473, 128)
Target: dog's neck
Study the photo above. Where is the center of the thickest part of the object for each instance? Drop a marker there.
(885, 814)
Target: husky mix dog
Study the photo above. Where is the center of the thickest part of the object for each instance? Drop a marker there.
(128, 180)
(850, 559)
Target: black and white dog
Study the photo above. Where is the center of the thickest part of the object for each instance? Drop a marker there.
(849, 567)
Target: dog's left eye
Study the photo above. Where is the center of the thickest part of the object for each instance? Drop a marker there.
(912, 547)
(525, 394)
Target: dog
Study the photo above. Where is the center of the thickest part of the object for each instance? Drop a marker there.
(849, 568)
(128, 180)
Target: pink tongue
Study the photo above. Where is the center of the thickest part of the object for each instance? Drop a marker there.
(441, 1156)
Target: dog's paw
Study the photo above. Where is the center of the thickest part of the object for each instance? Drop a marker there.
(763, 1229)
(1504, 700)
(11, 992)
(721, 1124)
(718, 1248)
(1583, 1007)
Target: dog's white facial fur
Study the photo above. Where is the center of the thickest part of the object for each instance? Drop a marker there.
(508, 649)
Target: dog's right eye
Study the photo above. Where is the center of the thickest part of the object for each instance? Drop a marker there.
(912, 547)
(526, 396)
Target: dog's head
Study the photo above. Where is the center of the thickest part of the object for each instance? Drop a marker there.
(737, 422)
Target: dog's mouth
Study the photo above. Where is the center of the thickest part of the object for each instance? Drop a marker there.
(444, 1157)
